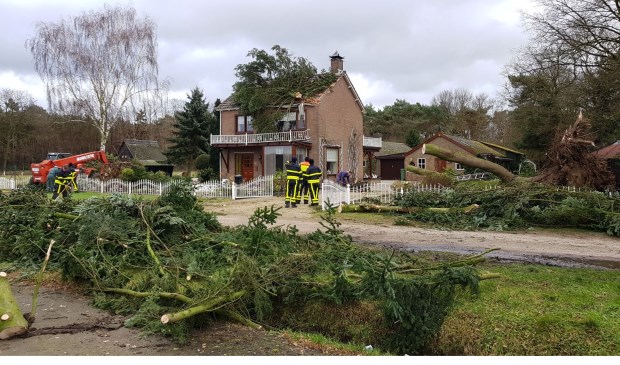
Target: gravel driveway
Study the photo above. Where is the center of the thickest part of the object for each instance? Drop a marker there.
(588, 249)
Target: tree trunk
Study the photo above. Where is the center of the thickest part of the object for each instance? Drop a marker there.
(12, 321)
(373, 208)
(419, 171)
(216, 303)
(468, 160)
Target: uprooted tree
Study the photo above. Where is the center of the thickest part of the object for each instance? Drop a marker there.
(570, 161)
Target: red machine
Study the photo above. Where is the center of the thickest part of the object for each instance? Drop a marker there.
(41, 169)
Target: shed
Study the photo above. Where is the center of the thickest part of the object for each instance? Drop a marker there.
(391, 160)
(148, 153)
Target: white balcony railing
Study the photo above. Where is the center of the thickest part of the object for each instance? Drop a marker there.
(257, 138)
(372, 142)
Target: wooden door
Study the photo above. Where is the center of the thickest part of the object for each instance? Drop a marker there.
(247, 166)
(440, 165)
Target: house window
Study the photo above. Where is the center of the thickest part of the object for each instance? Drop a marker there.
(244, 124)
(302, 153)
(276, 157)
(287, 122)
(459, 167)
(422, 163)
(331, 160)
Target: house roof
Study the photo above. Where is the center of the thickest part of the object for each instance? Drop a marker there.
(610, 152)
(479, 148)
(229, 103)
(474, 147)
(392, 148)
(502, 147)
(143, 150)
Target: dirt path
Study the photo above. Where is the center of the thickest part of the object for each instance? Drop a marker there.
(67, 325)
(564, 249)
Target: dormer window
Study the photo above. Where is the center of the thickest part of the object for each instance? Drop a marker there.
(244, 124)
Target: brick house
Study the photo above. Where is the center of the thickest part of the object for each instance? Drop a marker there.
(506, 157)
(327, 127)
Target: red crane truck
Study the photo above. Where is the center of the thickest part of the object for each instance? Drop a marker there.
(41, 169)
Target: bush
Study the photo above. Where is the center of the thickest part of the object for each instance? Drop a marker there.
(435, 178)
(206, 174)
(279, 183)
(203, 162)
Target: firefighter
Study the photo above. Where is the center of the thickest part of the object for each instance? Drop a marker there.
(293, 172)
(61, 183)
(73, 172)
(303, 192)
(313, 177)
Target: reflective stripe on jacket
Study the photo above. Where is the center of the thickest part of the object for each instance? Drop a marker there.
(313, 174)
(293, 171)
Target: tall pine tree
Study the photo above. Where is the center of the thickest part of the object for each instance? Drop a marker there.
(192, 129)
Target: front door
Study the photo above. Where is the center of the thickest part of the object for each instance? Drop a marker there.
(440, 165)
(247, 166)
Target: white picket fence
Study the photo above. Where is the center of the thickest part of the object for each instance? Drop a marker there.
(10, 182)
(383, 193)
(476, 176)
(259, 187)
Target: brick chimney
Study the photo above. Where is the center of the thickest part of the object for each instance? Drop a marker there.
(337, 63)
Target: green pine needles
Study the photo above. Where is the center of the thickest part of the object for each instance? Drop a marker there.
(271, 84)
(172, 267)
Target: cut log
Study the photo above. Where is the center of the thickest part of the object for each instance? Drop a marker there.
(468, 160)
(12, 321)
(374, 208)
(214, 304)
(238, 318)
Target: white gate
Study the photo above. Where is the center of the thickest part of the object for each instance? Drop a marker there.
(334, 194)
(256, 188)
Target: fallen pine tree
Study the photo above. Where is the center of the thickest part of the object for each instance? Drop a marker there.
(570, 161)
(170, 266)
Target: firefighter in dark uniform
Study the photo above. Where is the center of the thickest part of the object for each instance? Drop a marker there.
(293, 174)
(61, 183)
(313, 177)
(303, 191)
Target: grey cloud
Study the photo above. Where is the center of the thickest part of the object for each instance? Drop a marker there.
(415, 46)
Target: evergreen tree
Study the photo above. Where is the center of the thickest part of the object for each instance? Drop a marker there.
(192, 129)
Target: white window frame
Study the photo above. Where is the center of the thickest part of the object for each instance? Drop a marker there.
(248, 126)
(335, 162)
(458, 167)
(422, 163)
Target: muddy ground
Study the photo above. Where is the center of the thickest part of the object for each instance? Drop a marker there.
(67, 325)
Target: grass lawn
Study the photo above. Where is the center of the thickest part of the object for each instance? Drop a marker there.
(537, 310)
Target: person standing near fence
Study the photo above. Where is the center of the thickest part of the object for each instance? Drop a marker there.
(293, 172)
(61, 183)
(343, 178)
(313, 177)
(303, 193)
(51, 176)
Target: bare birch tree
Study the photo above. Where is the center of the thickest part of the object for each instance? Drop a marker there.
(97, 65)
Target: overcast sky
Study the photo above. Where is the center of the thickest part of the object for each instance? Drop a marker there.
(393, 49)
